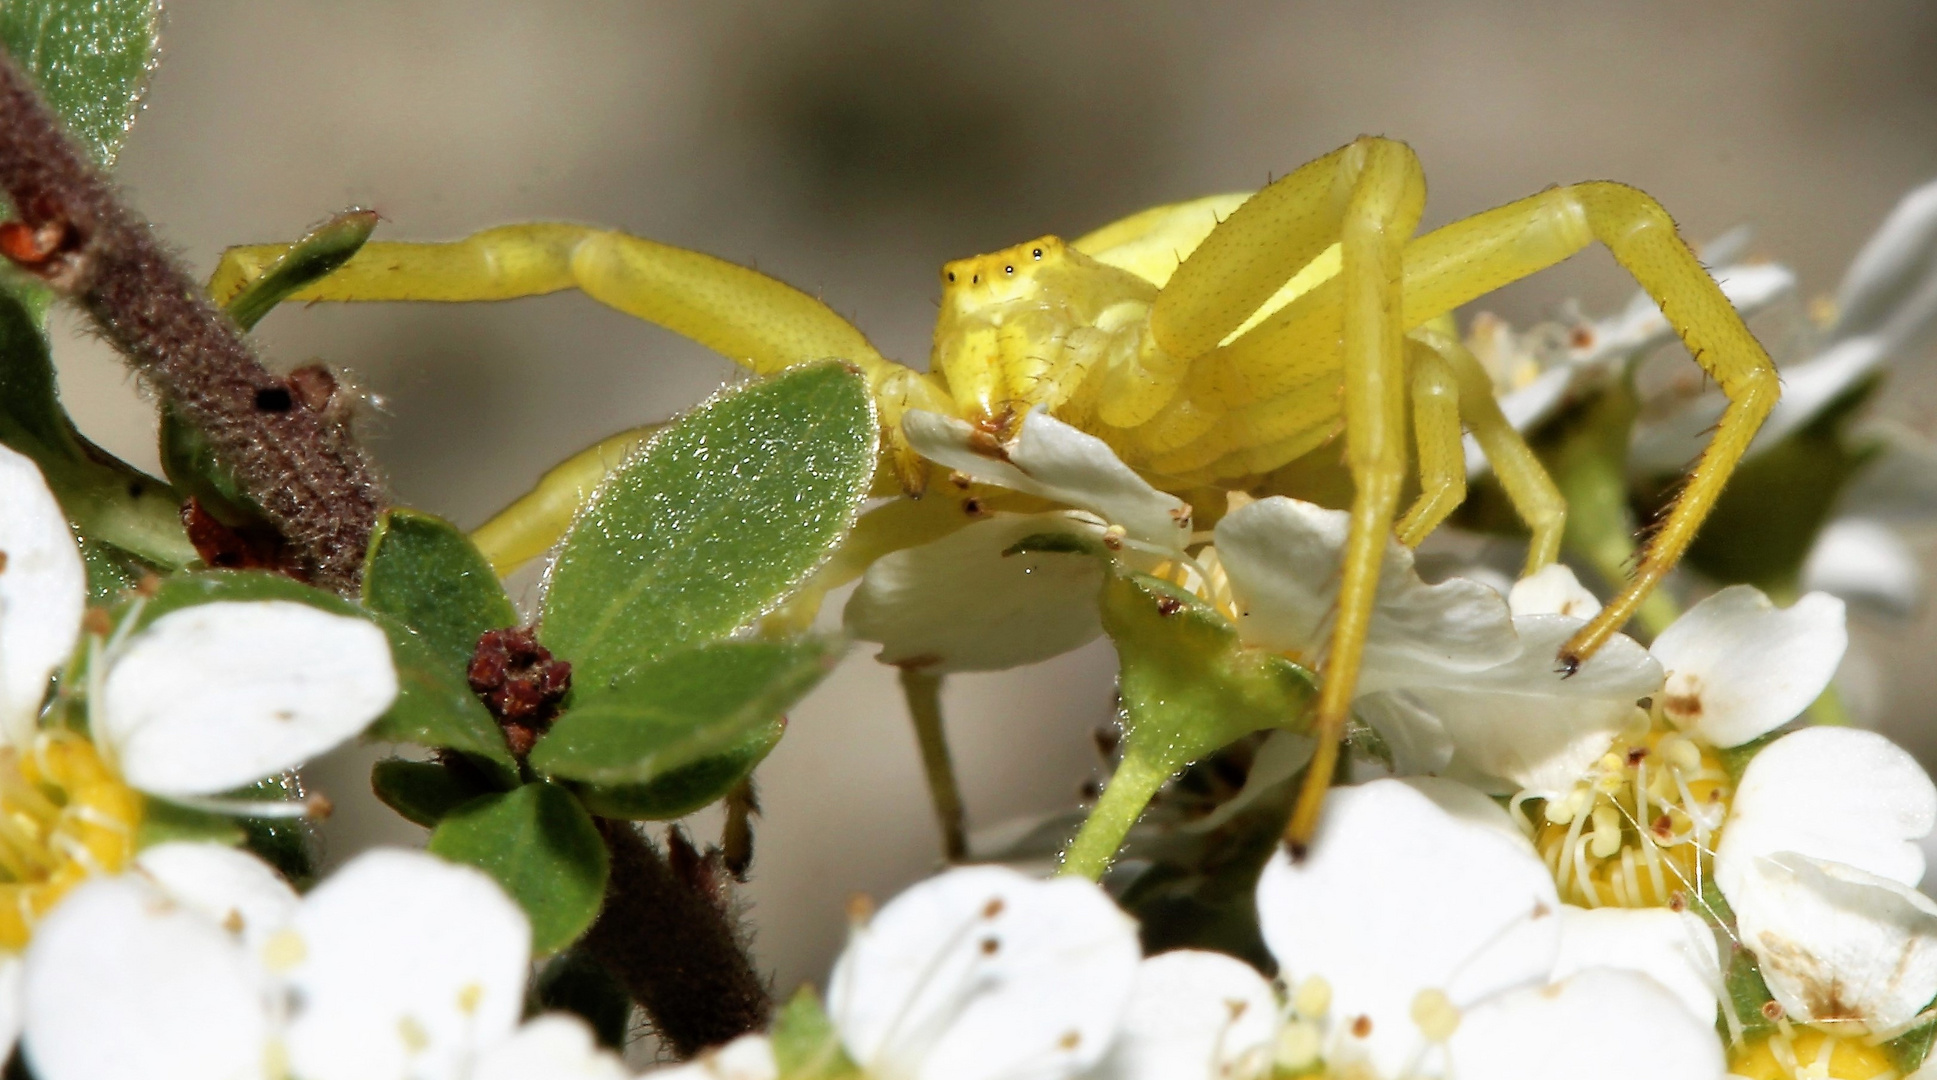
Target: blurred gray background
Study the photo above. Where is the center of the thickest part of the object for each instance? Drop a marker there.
(850, 147)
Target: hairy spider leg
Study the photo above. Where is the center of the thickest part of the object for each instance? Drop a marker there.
(1436, 438)
(746, 316)
(1469, 258)
(1366, 197)
(1532, 493)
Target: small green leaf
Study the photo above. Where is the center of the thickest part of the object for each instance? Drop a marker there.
(574, 982)
(686, 707)
(288, 844)
(685, 790)
(314, 257)
(434, 707)
(424, 791)
(105, 498)
(1188, 685)
(90, 58)
(427, 575)
(713, 523)
(1912, 1048)
(540, 844)
(1747, 993)
(805, 1044)
(111, 572)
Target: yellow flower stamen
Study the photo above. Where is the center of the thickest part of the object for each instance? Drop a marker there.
(1803, 1053)
(64, 817)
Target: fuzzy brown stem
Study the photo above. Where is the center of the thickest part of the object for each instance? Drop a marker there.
(672, 944)
(71, 230)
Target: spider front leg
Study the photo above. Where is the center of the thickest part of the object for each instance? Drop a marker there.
(1386, 202)
(746, 316)
(1436, 434)
(1466, 259)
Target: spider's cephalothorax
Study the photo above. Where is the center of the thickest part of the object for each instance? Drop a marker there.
(1207, 342)
(1039, 324)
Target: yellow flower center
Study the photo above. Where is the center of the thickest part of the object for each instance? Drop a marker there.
(64, 816)
(1641, 830)
(1809, 1054)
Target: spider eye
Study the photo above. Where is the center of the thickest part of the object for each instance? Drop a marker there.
(975, 279)
(1037, 253)
(1008, 269)
(951, 275)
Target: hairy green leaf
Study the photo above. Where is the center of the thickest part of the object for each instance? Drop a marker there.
(679, 732)
(90, 58)
(713, 523)
(424, 791)
(540, 844)
(426, 574)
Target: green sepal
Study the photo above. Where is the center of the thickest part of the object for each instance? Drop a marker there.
(427, 574)
(314, 257)
(1909, 1050)
(104, 498)
(164, 822)
(424, 791)
(678, 733)
(112, 572)
(1189, 686)
(90, 59)
(541, 845)
(806, 1045)
(576, 983)
(435, 706)
(713, 523)
(1747, 994)
(189, 461)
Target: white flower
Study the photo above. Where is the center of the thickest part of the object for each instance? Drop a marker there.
(1456, 681)
(202, 700)
(960, 603)
(202, 965)
(1420, 939)
(982, 973)
(1820, 858)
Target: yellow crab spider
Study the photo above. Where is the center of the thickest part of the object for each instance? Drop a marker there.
(1208, 343)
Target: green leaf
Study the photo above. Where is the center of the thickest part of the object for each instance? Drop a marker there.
(111, 572)
(1189, 687)
(1912, 1048)
(805, 1044)
(703, 703)
(288, 844)
(434, 707)
(1747, 993)
(314, 257)
(540, 844)
(427, 575)
(575, 982)
(163, 822)
(713, 523)
(104, 498)
(90, 58)
(424, 791)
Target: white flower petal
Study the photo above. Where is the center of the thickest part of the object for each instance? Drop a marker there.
(1415, 735)
(1601, 1024)
(43, 588)
(1675, 948)
(1867, 563)
(1895, 265)
(960, 604)
(1739, 667)
(1061, 463)
(121, 981)
(1283, 558)
(409, 966)
(555, 1046)
(1192, 1015)
(230, 887)
(212, 697)
(982, 973)
(1523, 726)
(749, 1057)
(1831, 793)
(1397, 896)
(1552, 590)
(1470, 806)
(12, 1000)
(1835, 943)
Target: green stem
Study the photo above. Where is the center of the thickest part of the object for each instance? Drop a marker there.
(924, 694)
(1136, 781)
